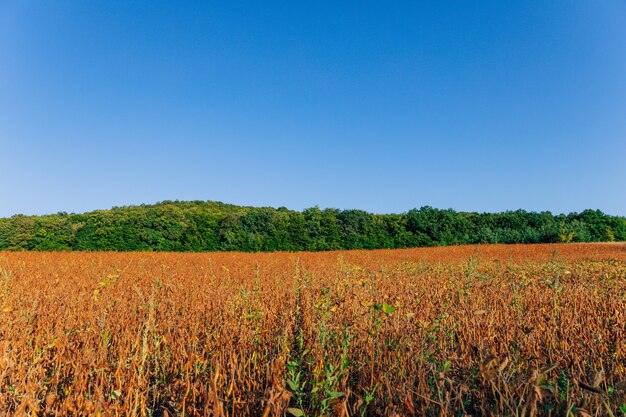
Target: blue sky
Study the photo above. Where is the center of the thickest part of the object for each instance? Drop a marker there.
(382, 106)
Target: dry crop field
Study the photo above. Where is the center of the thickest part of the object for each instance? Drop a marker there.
(490, 330)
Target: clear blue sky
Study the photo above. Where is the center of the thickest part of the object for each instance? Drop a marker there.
(382, 106)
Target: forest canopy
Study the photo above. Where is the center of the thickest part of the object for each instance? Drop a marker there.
(213, 226)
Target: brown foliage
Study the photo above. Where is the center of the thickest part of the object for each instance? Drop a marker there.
(489, 330)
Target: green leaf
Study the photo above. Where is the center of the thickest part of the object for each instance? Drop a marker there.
(334, 394)
(296, 412)
(293, 385)
(388, 309)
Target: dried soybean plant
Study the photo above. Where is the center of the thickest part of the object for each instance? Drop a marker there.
(519, 330)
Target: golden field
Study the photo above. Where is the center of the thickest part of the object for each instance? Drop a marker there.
(517, 330)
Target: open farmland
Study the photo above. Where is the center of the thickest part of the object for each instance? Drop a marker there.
(465, 330)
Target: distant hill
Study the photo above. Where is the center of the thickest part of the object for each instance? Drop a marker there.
(214, 226)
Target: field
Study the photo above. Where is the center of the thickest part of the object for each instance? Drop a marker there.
(466, 330)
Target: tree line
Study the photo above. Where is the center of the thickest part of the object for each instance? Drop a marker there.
(214, 226)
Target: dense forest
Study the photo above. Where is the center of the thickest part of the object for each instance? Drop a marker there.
(214, 226)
